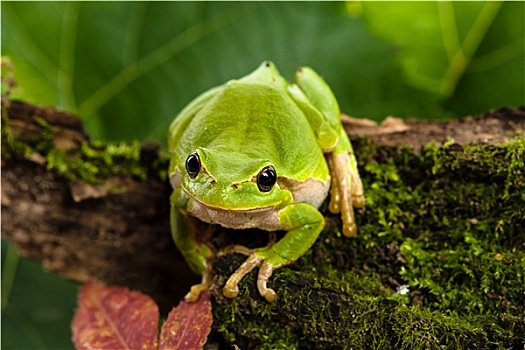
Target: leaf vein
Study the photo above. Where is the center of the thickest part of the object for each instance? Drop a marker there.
(66, 62)
(462, 58)
(31, 51)
(169, 50)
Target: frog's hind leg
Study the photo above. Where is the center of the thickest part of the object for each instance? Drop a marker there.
(346, 187)
(346, 191)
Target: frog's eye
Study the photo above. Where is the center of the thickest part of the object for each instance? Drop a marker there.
(266, 178)
(193, 165)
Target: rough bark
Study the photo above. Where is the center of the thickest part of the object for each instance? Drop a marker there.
(117, 230)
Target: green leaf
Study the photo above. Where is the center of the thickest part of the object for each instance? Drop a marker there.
(496, 75)
(128, 68)
(469, 53)
(37, 306)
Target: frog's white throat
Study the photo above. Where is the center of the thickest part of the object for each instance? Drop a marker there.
(265, 218)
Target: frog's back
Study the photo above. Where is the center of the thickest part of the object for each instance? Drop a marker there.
(249, 121)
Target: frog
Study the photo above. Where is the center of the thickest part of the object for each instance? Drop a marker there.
(260, 152)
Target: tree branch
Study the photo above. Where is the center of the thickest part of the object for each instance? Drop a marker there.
(90, 210)
(115, 231)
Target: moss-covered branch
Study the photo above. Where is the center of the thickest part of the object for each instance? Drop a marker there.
(439, 260)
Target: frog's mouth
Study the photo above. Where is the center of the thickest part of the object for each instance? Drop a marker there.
(232, 209)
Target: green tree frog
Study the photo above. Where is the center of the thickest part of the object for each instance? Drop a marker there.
(260, 152)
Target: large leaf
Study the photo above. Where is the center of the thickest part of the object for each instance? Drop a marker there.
(128, 68)
(496, 73)
(471, 53)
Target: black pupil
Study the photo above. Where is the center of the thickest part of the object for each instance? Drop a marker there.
(193, 165)
(267, 179)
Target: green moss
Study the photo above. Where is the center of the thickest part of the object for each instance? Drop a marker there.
(94, 161)
(251, 332)
(10, 144)
(447, 224)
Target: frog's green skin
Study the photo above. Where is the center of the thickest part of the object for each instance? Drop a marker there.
(231, 134)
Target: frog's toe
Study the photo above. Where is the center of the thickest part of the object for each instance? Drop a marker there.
(265, 271)
(348, 218)
(195, 292)
(269, 295)
(335, 197)
(349, 230)
(230, 291)
(358, 198)
(358, 202)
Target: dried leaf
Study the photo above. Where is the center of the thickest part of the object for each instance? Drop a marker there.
(82, 190)
(187, 325)
(362, 127)
(114, 318)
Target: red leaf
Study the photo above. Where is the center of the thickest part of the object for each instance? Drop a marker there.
(187, 325)
(114, 318)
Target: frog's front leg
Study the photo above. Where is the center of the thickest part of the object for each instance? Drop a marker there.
(195, 251)
(303, 223)
(346, 190)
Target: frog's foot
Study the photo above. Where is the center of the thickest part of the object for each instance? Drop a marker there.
(196, 290)
(346, 191)
(231, 288)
